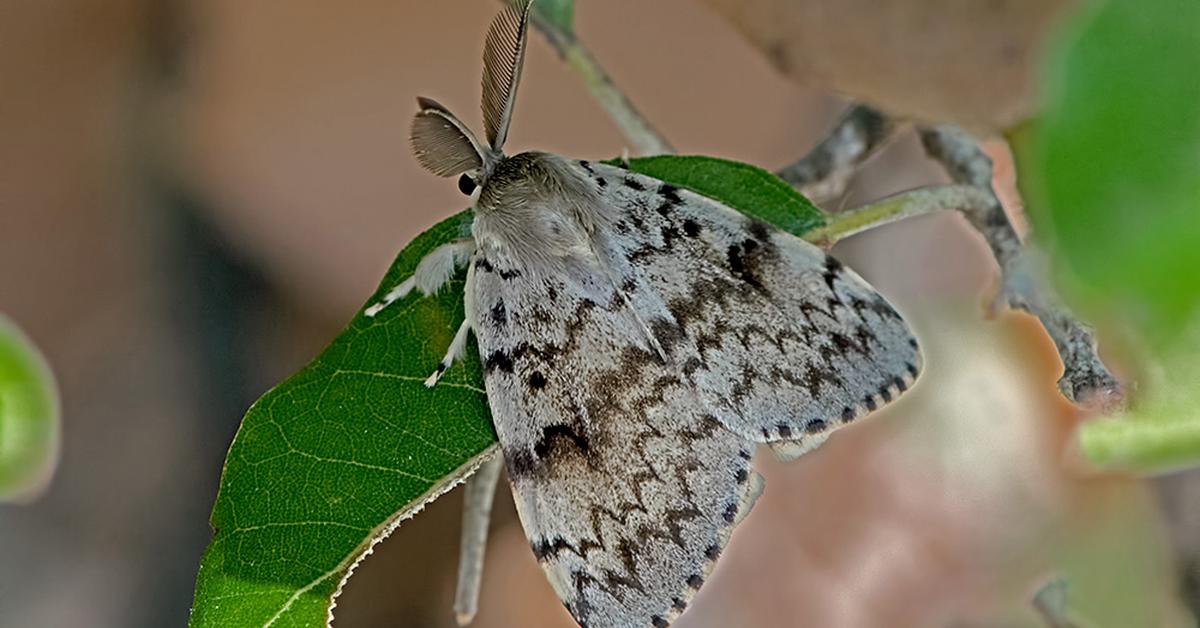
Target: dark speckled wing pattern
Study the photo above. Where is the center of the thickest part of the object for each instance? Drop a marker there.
(630, 389)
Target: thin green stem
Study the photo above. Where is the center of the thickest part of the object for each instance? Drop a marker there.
(904, 205)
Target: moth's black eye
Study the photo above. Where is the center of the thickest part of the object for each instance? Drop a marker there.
(466, 185)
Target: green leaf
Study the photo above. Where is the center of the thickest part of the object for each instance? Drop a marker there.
(558, 13)
(29, 417)
(329, 461)
(748, 189)
(1111, 166)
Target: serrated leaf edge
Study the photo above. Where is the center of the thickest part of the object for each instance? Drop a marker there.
(385, 529)
(382, 531)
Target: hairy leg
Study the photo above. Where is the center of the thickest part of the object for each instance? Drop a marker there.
(433, 272)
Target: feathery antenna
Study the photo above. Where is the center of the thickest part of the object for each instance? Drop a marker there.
(442, 143)
(503, 56)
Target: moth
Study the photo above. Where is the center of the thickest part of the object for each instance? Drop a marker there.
(639, 342)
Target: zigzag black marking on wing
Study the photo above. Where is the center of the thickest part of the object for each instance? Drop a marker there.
(620, 515)
(832, 325)
(709, 291)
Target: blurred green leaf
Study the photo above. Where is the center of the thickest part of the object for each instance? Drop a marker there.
(1161, 431)
(1111, 551)
(29, 416)
(326, 463)
(748, 189)
(1112, 167)
(558, 13)
(1112, 173)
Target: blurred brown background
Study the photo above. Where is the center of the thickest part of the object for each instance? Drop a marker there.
(194, 196)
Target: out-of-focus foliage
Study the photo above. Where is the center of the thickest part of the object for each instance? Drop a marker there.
(324, 462)
(1162, 430)
(1113, 166)
(560, 13)
(29, 417)
(1111, 171)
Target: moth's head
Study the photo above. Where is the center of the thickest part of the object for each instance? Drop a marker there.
(446, 146)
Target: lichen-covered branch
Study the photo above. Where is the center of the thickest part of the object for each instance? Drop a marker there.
(966, 163)
(1085, 379)
(642, 136)
(825, 171)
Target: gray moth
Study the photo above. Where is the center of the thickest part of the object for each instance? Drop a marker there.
(639, 342)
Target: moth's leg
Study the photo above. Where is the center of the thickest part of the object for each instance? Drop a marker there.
(433, 272)
(460, 337)
(478, 493)
(456, 348)
(393, 295)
